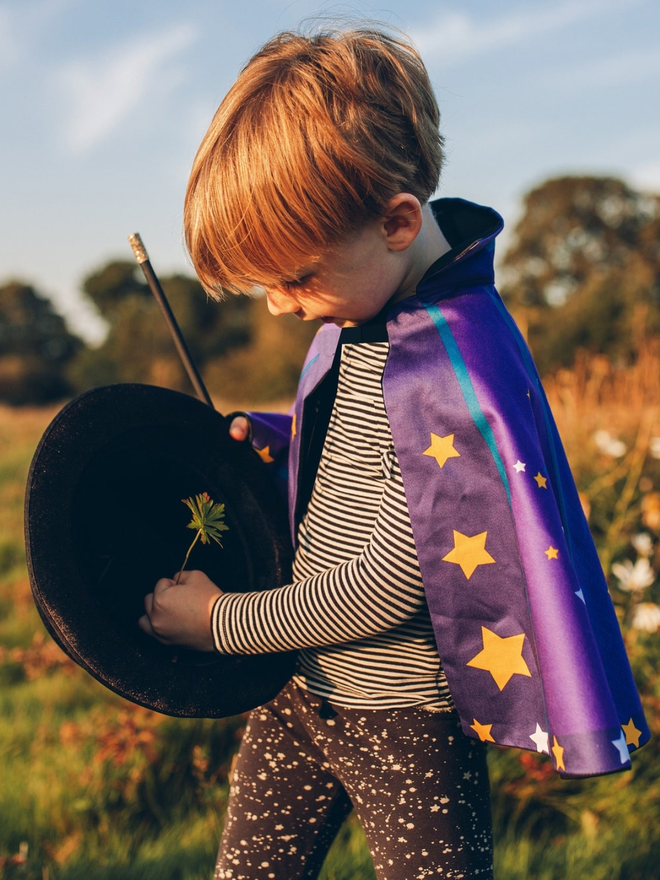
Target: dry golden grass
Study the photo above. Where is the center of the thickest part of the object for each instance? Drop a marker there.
(597, 394)
(20, 431)
(23, 425)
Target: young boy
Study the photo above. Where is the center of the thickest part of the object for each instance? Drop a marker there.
(432, 508)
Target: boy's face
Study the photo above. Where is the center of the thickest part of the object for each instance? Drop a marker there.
(349, 285)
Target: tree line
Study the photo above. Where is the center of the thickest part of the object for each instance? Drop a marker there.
(242, 352)
(582, 272)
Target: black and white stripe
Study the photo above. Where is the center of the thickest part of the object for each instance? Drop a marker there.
(357, 607)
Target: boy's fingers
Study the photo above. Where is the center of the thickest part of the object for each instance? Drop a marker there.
(164, 584)
(145, 625)
(239, 428)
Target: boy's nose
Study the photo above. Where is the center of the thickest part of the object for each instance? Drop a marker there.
(280, 302)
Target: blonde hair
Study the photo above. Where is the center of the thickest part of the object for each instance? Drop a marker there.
(314, 138)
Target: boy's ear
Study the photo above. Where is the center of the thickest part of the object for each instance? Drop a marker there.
(402, 221)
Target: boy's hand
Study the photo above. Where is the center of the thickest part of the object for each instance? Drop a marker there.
(240, 428)
(180, 614)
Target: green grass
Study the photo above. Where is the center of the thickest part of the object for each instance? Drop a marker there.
(101, 790)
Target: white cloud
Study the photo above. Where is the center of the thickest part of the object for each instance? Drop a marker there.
(456, 36)
(617, 70)
(104, 91)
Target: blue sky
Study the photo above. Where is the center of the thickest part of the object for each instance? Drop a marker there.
(103, 104)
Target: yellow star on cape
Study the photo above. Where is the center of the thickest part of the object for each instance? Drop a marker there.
(483, 731)
(541, 481)
(502, 657)
(632, 734)
(293, 426)
(558, 752)
(551, 552)
(442, 448)
(469, 552)
(264, 454)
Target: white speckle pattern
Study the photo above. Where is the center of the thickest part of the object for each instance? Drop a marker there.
(281, 827)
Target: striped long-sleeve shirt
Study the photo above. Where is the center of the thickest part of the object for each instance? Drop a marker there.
(356, 607)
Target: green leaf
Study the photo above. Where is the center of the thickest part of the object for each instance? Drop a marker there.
(207, 520)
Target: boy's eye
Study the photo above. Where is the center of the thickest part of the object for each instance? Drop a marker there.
(298, 282)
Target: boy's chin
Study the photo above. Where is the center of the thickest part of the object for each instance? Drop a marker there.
(340, 322)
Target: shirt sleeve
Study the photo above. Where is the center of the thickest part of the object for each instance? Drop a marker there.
(371, 593)
(270, 430)
(270, 435)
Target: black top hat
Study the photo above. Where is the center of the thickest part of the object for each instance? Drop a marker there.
(104, 521)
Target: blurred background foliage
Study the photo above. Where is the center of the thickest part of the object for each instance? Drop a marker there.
(583, 270)
(239, 348)
(94, 788)
(35, 347)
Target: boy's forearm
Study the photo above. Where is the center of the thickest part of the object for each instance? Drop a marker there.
(306, 614)
(365, 595)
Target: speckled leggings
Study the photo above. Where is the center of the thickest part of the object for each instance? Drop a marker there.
(418, 784)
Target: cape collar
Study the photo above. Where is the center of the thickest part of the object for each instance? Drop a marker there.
(471, 230)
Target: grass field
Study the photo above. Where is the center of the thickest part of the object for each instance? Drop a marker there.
(94, 788)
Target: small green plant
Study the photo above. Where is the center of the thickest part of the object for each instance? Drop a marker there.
(208, 520)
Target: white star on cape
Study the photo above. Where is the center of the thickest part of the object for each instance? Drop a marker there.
(519, 466)
(540, 739)
(620, 744)
(580, 595)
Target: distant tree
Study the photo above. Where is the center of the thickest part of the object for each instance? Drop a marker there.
(138, 347)
(584, 268)
(114, 284)
(35, 347)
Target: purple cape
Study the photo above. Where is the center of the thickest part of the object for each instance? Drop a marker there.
(523, 620)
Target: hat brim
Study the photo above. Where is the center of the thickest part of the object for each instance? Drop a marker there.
(104, 521)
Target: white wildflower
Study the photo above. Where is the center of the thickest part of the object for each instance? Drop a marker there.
(643, 543)
(608, 444)
(635, 577)
(654, 447)
(647, 617)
